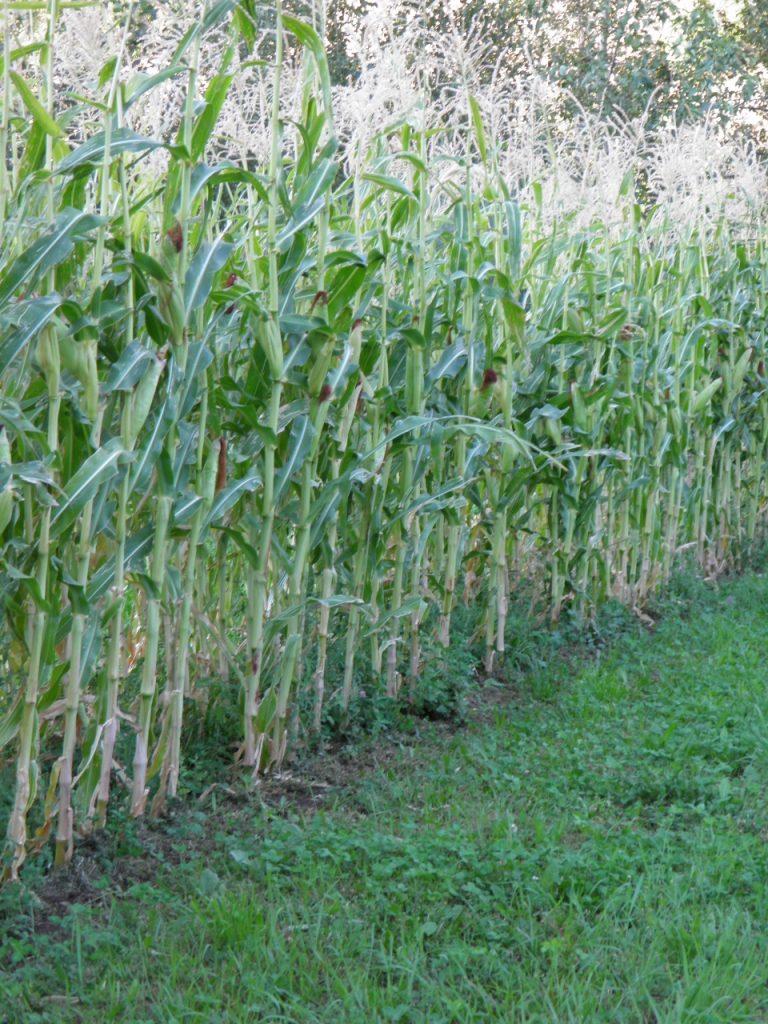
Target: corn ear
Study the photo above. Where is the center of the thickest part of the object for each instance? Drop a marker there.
(48, 356)
(706, 394)
(6, 495)
(141, 401)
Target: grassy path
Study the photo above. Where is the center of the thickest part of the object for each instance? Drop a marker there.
(594, 851)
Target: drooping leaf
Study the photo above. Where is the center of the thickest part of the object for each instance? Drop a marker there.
(386, 181)
(39, 114)
(185, 507)
(205, 176)
(35, 314)
(52, 248)
(309, 202)
(309, 38)
(299, 444)
(121, 140)
(207, 261)
(145, 83)
(451, 361)
(129, 368)
(96, 469)
(229, 496)
(137, 547)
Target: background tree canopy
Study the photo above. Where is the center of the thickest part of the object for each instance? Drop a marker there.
(678, 60)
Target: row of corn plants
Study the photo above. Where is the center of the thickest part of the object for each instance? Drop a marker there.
(250, 413)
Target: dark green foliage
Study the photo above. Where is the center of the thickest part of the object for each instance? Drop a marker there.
(371, 713)
(442, 689)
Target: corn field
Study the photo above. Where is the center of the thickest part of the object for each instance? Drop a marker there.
(319, 392)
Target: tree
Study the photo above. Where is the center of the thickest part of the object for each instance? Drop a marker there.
(611, 56)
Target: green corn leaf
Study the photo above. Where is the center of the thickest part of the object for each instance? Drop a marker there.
(150, 266)
(570, 337)
(249, 552)
(20, 52)
(36, 473)
(185, 507)
(215, 13)
(725, 427)
(35, 314)
(229, 496)
(205, 176)
(32, 586)
(11, 721)
(309, 202)
(450, 494)
(338, 601)
(477, 124)
(345, 284)
(198, 360)
(317, 183)
(245, 18)
(309, 38)
(96, 469)
(137, 547)
(215, 95)
(89, 656)
(48, 251)
(129, 368)
(387, 182)
(408, 606)
(266, 712)
(343, 369)
(299, 445)
(207, 261)
(38, 112)
(145, 83)
(148, 455)
(34, 152)
(451, 361)
(122, 140)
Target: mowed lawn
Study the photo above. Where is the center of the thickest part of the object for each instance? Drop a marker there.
(590, 847)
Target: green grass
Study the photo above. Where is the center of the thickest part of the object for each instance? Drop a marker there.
(592, 847)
